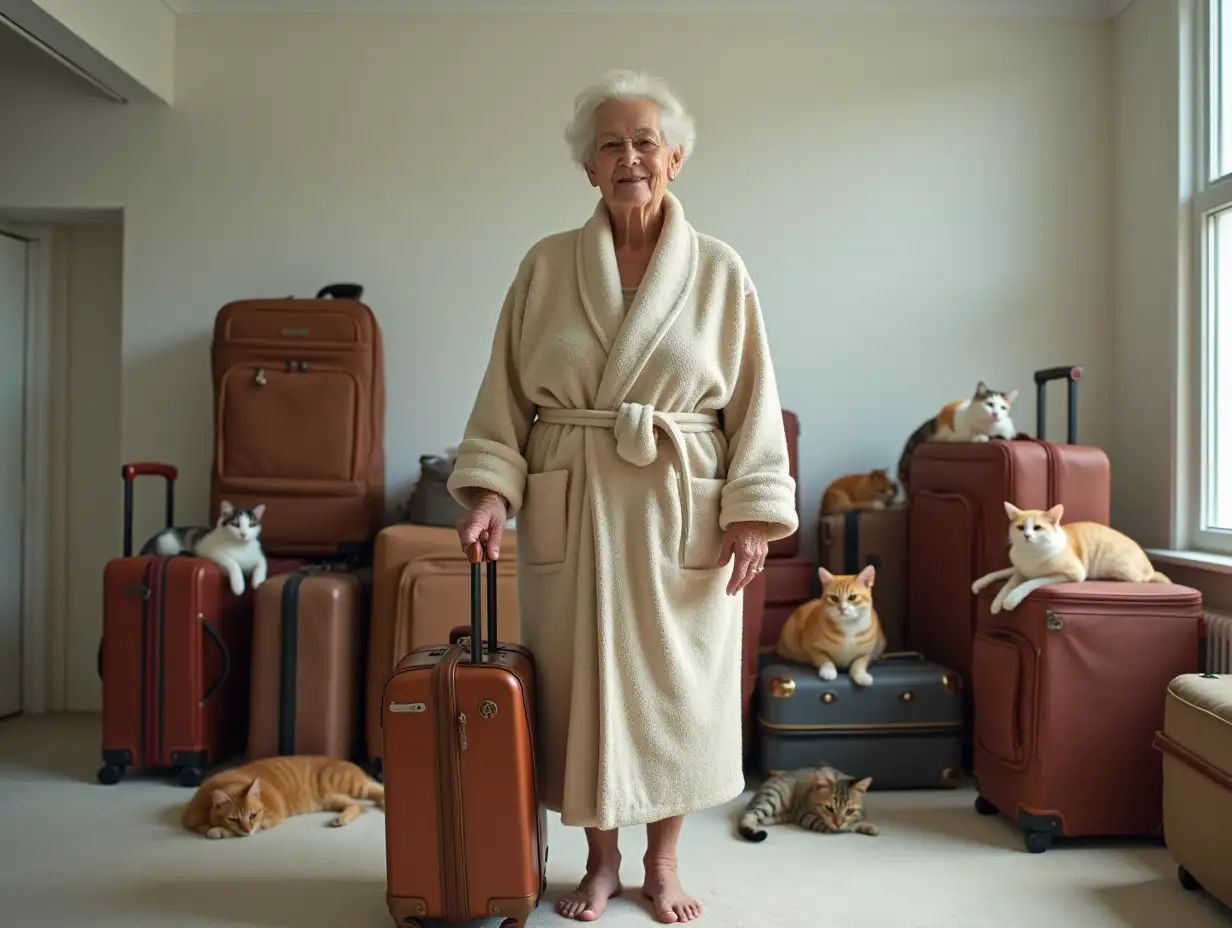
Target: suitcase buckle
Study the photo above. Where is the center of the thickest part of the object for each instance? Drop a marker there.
(408, 707)
(1054, 624)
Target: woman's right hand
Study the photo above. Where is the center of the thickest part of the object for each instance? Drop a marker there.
(484, 523)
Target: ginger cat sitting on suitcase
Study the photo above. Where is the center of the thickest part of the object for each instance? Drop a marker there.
(839, 631)
(233, 544)
(1044, 552)
(239, 802)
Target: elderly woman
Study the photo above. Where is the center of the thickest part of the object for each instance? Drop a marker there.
(629, 418)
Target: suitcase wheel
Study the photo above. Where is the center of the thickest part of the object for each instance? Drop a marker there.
(984, 807)
(110, 774)
(189, 776)
(1037, 841)
(1187, 879)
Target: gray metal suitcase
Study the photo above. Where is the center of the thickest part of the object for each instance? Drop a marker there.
(905, 731)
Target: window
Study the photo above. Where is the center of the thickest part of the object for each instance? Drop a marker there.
(1211, 515)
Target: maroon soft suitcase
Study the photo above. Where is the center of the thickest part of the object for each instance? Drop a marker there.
(956, 526)
(174, 657)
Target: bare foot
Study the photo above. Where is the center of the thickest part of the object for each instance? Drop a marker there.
(587, 902)
(671, 902)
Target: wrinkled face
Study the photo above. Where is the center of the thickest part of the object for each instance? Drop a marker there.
(632, 164)
(243, 524)
(1033, 527)
(839, 802)
(885, 488)
(992, 405)
(847, 598)
(241, 815)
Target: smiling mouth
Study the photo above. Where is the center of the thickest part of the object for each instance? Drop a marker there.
(630, 180)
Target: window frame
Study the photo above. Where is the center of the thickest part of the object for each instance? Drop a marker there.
(1211, 196)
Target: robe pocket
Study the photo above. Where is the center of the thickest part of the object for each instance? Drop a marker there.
(543, 527)
(705, 536)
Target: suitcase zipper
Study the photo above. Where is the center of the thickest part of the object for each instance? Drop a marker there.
(451, 742)
(144, 714)
(162, 656)
(288, 671)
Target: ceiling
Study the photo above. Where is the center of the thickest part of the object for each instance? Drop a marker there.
(1086, 9)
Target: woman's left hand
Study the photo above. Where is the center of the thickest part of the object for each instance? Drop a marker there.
(747, 541)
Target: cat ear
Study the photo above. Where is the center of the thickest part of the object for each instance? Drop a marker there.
(861, 786)
(258, 510)
(867, 575)
(254, 791)
(1009, 397)
(1055, 513)
(981, 389)
(1011, 510)
(220, 798)
(825, 577)
(227, 508)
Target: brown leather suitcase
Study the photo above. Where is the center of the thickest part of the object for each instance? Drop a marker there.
(790, 581)
(173, 657)
(790, 546)
(1069, 690)
(850, 541)
(417, 591)
(465, 833)
(956, 520)
(299, 420)
(308, 641)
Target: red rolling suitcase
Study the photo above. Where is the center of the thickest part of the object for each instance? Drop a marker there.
(956, 529)
(174, 657)
(465, 834)
(1069, 691)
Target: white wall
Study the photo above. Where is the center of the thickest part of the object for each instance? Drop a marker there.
(95, 505)
(923, 203)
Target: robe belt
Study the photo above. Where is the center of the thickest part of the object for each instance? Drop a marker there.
(634, 425)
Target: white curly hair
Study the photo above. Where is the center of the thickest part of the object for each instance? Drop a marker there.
(675, 123)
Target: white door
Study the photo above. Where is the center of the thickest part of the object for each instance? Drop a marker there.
(12, 464)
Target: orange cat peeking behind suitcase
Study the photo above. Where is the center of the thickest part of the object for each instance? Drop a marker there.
(873, 490)
(241, 801)
(838, 631)
(1044, 552)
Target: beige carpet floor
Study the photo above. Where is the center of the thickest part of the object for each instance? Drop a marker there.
(75, 853)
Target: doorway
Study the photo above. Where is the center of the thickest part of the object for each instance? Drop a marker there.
(14, 300)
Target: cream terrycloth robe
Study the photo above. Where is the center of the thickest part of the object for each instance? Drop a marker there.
(600, 428)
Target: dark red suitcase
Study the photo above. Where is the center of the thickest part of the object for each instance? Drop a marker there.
(174, 657)
(956, 526)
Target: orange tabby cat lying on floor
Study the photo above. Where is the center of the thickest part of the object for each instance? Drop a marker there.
(874, 490)
(238, 802)
(839, 631)
(1044, 552)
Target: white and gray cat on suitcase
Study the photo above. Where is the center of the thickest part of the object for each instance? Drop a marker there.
(233, 544)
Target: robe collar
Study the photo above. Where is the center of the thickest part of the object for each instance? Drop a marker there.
(668, 281)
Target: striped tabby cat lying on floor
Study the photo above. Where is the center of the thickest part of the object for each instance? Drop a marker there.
(816, 798)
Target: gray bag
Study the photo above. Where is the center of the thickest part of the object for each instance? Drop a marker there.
(430, 502)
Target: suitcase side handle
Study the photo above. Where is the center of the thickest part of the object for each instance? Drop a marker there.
(226, 662)
(1071, 373)
(129, 473)
(475, 555)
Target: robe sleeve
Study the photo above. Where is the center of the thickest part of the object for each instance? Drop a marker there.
(490, 456)
(759, 485)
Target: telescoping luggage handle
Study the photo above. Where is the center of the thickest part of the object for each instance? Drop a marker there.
(1071, 373)
(131, 472)
(475, 555)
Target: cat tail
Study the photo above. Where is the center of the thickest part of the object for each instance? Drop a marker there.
(920, 436)
(1157, 577)
(168, 543)
(765, 808)
(376, 792)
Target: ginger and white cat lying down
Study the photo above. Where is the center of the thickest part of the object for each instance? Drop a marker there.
(1044, 552)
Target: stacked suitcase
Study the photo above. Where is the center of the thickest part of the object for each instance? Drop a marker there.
(193, 674)
(1067, 690)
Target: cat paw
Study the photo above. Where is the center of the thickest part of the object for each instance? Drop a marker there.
(237, 587)
(979, 438)
(995, 607)
(215, 833)
(1010, 602)
(862, 678)
(878, 504)
(828, 672)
